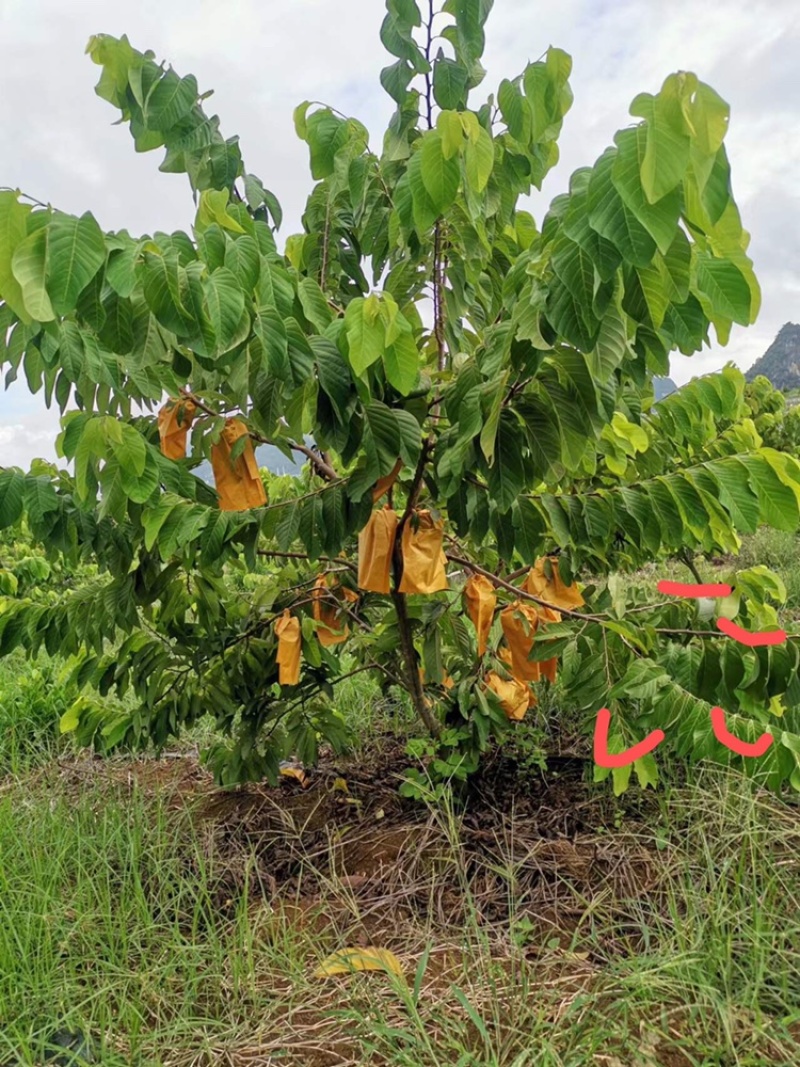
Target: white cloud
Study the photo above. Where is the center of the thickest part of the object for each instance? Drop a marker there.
(57, 141)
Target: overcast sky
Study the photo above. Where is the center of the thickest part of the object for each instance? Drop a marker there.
(262, 57)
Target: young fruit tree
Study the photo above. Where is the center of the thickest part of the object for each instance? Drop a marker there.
(469, 390)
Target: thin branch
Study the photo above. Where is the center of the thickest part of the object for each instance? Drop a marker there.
(522, 594)
(686, 559)
(301, 555)
(429, 74)
(323, 469)
(413, 682)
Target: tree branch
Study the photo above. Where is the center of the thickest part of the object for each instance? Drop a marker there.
(413, 681)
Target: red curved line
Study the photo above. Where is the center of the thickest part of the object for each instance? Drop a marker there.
(604, 758)
(682, 589)
(741, 748)
(744, 637)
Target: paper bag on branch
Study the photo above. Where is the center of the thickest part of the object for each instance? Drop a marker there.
(552, 590)
(515, 696)
(375, 548)
(334, 628)
(239, 485)
(383, 485)
(174, 422)
(288, 632)
(520, 622)
(424, 560)
(481, 600)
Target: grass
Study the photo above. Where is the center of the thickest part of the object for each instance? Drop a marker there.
(115, 922)
(32, 700)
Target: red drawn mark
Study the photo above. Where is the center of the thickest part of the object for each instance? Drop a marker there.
(744, 637)
(604, 758)
(682, 589)
(741, 748)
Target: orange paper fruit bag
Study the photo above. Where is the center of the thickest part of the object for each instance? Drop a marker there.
(383, 485)
(424, 560)
(334, 628)
(552, 590)
(375, 547)
(520, 622)
(174, 422)
(481, 600)
(239, 485)
(515, 697)
(287, 630)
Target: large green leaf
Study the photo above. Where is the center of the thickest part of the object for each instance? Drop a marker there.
(667, 153)
(365, 333)
(13, 230)
(76, 251)
(440, 175)
(612, 217)
(225, 301)
(29, 264)
(659, 219)
(450, 80)
(725, 286)
(170, 99)
(12, 484)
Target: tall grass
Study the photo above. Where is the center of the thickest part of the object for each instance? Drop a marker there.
(115, 923)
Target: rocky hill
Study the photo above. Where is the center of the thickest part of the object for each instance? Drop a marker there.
(781, 362)
(663, 387)
(266, 456)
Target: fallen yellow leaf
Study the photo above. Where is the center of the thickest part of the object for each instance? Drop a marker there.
(289, 771)
(348, 960)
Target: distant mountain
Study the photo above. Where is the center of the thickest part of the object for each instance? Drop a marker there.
(663, 387)
(266, 456)
(781, 362)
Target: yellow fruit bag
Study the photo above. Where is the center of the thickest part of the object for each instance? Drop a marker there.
(520, 622)
(334, 628)
(375, 547)
(481, 600)
(174, 422)
(383, 485)
(515, 696)
(287, 630)
(423, 555)
(552, 590)
(239, 486)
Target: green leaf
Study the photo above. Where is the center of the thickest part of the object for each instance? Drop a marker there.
(325, 134)
(365, 336)
(13, 230)
(440, 175)
(315, 306)
(170, 99)
(214, 205)
(516, 111)
(401, 361)
(12, 484)
(725, 286)
(666, 156)
(479, 161)
(492, 418)
(660, 219)
(450, 80)
(29, 264)
(225, 302)
(611, 216)
(76, 251)
(271, 332)
(451, 130)
(381, 436)
(131, 451)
